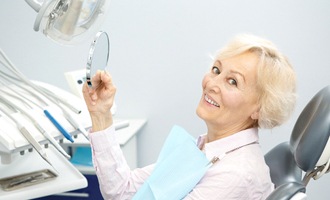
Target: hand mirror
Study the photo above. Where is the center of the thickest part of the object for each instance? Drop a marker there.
(98, 55)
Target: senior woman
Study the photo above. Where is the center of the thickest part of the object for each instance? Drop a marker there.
(250, 85)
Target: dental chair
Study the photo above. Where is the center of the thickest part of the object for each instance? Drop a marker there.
(307, 153)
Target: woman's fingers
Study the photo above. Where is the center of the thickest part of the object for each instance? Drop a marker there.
(87, 93)
(101, 93)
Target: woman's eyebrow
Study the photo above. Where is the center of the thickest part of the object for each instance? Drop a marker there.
(219, 62)
(238, 73)
(232, 71)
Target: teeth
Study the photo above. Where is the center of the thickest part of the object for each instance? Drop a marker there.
(211, 102)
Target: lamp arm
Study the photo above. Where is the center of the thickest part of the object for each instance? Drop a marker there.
(35, 4)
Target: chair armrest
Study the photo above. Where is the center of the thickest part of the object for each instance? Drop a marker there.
(287, 191)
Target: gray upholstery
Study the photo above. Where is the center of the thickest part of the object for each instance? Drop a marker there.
(286, 191)
(283, 168)
(288, 160)
(312, 130)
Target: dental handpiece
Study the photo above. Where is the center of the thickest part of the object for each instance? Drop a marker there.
(27, 135)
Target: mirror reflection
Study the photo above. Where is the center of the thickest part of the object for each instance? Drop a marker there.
(98, 55)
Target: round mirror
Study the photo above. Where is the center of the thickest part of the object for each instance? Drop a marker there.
(98, 56)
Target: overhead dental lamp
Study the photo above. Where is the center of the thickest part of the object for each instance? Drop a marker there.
(69, 21)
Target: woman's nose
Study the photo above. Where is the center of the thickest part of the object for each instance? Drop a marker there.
(212, 84)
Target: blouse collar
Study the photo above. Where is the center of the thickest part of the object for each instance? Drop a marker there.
(229, 143)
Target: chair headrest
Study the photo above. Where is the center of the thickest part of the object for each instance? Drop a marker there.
(310, 136)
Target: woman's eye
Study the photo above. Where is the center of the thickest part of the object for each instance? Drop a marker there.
(215, 70)
(232, 82)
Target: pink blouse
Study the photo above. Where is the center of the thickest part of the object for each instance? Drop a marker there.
(241, 174)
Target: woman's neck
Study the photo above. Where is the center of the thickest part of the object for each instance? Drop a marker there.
(216, 132)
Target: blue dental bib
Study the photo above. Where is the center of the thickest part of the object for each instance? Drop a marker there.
(179, 167)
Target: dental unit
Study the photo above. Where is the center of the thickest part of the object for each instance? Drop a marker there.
(25, 127)
(34, 114)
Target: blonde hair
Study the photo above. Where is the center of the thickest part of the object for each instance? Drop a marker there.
(276, 80)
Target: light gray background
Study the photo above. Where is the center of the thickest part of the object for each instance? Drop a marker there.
(161, 49)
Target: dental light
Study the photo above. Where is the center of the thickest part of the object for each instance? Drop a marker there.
(69, 21)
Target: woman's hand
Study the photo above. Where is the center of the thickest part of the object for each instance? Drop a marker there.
(99, 99)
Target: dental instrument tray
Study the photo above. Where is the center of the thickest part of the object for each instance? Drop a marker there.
(25, 180)
(62, 177)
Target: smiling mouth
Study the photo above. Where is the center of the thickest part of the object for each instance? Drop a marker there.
(210, 101)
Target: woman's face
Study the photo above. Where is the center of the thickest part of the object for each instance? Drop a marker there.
(230, 100)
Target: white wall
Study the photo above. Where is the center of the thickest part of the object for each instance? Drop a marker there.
(160, 52)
